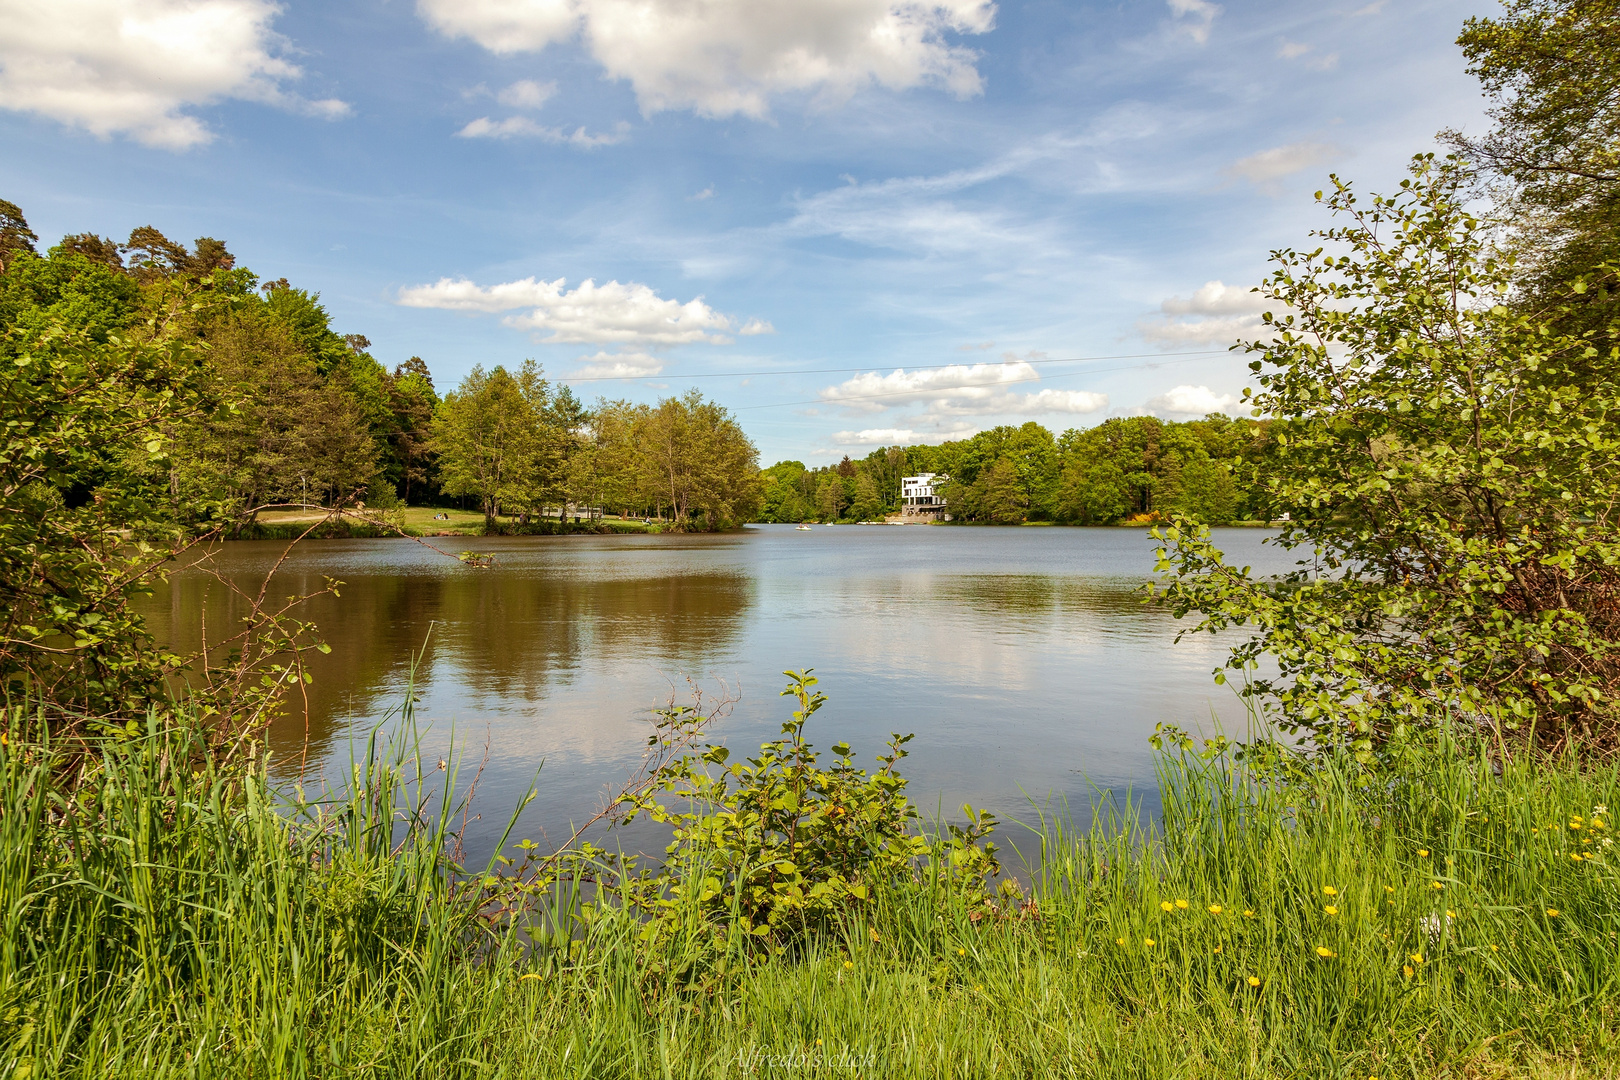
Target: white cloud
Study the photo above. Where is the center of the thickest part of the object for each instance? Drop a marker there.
(526, 94)
(756, 326)
(1294, 50)
(959, 383)
(706, 193)
(1268, 166)
(627, 314)
(1199, 331)
(725, 58)
(1188, 400)
(1215, 314)
(960, 390)
(898, 436)
(1217, 298)
(623, 364)
(133, 66)
(1195, 17)
(522, 127)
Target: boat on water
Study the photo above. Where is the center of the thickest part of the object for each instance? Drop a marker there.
(802, 528)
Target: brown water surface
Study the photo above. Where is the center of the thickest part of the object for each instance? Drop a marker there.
(1022, 658)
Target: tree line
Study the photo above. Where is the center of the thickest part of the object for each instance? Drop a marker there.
(1126, 468)
(290, 411)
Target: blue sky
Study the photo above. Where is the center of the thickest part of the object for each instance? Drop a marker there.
(892, 216)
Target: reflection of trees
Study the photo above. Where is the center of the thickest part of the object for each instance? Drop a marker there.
(1032, 597)
(506, 632)
(512, 633)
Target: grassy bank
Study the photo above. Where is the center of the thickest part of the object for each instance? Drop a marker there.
(165, 918)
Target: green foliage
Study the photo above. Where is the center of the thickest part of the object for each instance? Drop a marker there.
(168, 918)
(85, 513)
(1551, 69)
(1449, 469)
(1097, 476)
(778, 846)
(493, 441)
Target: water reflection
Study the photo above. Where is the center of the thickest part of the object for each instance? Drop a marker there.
(1024, 659)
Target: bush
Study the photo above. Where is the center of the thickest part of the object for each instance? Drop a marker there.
(1449, 471)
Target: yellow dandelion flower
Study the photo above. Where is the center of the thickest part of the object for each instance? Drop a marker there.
(1450, 914)
(961, 952)
(1575, 855)
(1423, 853)
(1493, 948)
(1148, 942)
(1217, 949)
(1165, 905)
(1215, 909)
(1406, 969)
(1389, 888)
(848, 965)
(978, 989)
(1119, 941)
(1331, 910)
(1248, 913)
(1324, 952)
(1328, 890)
(1575, 826)
(1552, 911)
(1182, 904)
(1253, 981)
(1417, 958)
(1437, 886)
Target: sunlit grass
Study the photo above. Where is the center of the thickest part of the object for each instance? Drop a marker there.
(1440, 918)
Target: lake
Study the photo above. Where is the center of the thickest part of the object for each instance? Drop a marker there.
(1023, 658)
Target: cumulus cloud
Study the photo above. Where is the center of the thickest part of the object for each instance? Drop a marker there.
(898, 436)
(960, 390)
(723, 58)
(623, 364)
(1195, 18)
(521, 127)
(614, 313)
(1216, 313)
(526, 94)
(1268, 166)
(756, 326)
(1188, 400)
(133, 66)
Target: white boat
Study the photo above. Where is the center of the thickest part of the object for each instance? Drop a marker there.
(802, 528)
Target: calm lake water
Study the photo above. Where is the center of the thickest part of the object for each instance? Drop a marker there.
(1022, 658)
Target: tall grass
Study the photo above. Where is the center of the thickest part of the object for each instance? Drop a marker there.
(165, 917)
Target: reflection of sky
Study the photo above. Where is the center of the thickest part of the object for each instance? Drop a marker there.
(1023, 659)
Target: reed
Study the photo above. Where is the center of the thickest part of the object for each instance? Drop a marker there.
(169, 916)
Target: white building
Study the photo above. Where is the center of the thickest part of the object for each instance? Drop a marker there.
(919, 499)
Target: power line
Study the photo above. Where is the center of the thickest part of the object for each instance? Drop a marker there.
(844, 371)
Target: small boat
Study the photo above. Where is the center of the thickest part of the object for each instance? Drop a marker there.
(802, 528)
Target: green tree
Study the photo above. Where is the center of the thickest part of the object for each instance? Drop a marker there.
(490, 438)
(16, 238)
(1551, 69)
(1003, 498)
(1450, 469)
(85, 515)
